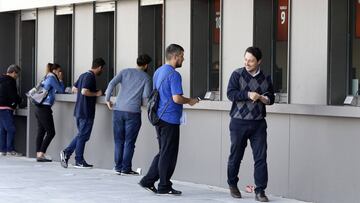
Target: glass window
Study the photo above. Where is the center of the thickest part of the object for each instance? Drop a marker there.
(205, 48)
(151, 33)
(104, 34)
(355, 47)
(344, 50)
(272, 17)
(63, 45)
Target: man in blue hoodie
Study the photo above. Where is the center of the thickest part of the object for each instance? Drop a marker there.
(9, 99)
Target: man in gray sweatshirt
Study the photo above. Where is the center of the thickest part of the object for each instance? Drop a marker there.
(135, 85)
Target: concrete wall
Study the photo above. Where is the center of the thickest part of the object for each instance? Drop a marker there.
(237, 35)
(9, 5)
(83, 38)
(177, 30)
(308, 55)
(127, 34)
(45, 42)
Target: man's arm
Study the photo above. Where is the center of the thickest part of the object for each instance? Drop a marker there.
(88, 93)
(233, 91)
(179, 99)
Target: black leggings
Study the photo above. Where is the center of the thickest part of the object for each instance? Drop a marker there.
(45, 125)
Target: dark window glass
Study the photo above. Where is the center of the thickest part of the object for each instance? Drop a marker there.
(271, 28)
(104, 46)
(205, 47)
(151, 34)
(63, 46)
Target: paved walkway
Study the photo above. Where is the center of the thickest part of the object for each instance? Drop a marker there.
(24, 180)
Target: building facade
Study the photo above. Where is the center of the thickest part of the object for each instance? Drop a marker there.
(311, 49)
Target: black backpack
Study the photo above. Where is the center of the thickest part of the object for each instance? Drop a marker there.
(153, 105)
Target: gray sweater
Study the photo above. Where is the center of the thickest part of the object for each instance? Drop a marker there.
(135, 85)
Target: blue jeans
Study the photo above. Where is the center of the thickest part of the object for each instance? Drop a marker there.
(78, 143)
(126, 129)
(7, 130)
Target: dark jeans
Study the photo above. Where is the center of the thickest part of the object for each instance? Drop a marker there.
(240, 132)
(45, 125)
(78, 143)
(164, 162)
(7, 130)
(126, 129)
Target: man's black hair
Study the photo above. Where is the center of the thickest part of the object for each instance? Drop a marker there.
(173, 50)
(143, 59)
(255, 51)
(98, 62)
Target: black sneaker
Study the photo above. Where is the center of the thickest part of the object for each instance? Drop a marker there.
(83, 164)
(235, 192)
(43, 159)
(170, 192)
(64, 159)
(131, 172)
(148, 188)
(261, 197)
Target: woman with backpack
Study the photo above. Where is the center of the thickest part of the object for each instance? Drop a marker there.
(53, 83)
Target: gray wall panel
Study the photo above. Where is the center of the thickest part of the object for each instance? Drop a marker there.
(83, 38)
(127, 34)
(237, 36)
(45, 41)
(308, 52)
(197, 144)
(322, 159)
(177, 30)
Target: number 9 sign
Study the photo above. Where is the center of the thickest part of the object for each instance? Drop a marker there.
(283, 17)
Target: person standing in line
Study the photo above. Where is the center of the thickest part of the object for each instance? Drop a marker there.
(135, 87)
(9, 99)
(168, 82)
(84, 113)
(45, 122)
(250, 90)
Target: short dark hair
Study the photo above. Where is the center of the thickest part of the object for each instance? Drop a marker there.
(13, 68)
(173, 50)
(143, 59)
(98, 62)
(255, 51)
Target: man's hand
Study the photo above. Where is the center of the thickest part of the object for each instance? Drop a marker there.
(109, 105)
(254, 96)
(98, 93)
(193, 101)
(74, 90)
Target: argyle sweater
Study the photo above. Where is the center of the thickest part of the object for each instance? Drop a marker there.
(241, 82)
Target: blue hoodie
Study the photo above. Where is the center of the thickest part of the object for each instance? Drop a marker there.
(53, 85)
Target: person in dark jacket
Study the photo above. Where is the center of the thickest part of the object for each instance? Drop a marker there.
(249, 90)
(9, 99)
(45, 122)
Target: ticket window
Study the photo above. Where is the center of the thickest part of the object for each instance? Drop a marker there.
(205, 48)
(151, 21)
(63, 42)
(344, 50)
(7, 40)
(271, 31)
(27, 52)
(104, 40)
(354, 68)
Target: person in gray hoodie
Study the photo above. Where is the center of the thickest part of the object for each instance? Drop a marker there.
(135, 85)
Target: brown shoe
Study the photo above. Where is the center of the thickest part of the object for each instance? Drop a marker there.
(261, 197)
(235, 192)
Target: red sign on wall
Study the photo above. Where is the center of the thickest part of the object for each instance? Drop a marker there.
(357, 20)
(216, 29)
(282, 20)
